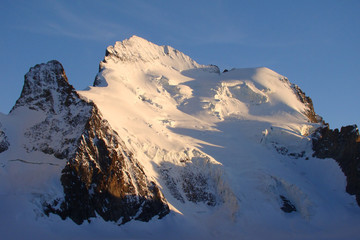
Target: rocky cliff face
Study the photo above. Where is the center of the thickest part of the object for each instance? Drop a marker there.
(309, 111)
(63, 114)
(4, 144)
(100, 177)
(344, 147)
(103, 178)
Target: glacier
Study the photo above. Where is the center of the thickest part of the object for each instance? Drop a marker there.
(181, 149)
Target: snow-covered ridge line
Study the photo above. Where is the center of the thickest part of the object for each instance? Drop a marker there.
(137, 49)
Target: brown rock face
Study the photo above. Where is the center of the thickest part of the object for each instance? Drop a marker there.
(101, 177)
(104, 178)
(309, 112)
(344, 147)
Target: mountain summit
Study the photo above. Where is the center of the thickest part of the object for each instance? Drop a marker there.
(161, 144)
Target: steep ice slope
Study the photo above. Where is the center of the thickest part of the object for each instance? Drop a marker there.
(246, 129)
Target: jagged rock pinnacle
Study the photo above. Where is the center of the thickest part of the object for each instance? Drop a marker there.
(43, 85)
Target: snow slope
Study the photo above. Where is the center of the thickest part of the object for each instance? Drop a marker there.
(226, 148)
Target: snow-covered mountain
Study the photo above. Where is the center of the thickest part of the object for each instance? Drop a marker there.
(163, 147)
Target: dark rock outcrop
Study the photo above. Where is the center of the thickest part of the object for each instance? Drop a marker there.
(196, 188)
(309, 111)
(4, 144)
(101, 177)
(43, 84)
(344, 147)
(287, 205)
(191, 181)
(62, 113)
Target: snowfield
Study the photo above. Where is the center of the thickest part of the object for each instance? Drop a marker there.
(241, 135)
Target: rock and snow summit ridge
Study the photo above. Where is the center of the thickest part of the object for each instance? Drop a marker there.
(136, 49)
(162, 139)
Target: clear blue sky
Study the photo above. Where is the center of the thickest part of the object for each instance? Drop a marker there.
(316, 44)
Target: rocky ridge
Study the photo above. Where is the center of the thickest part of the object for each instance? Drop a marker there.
(62, 112)
(344, 147)
(103, 178)
(310, 111)
(100, 177)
